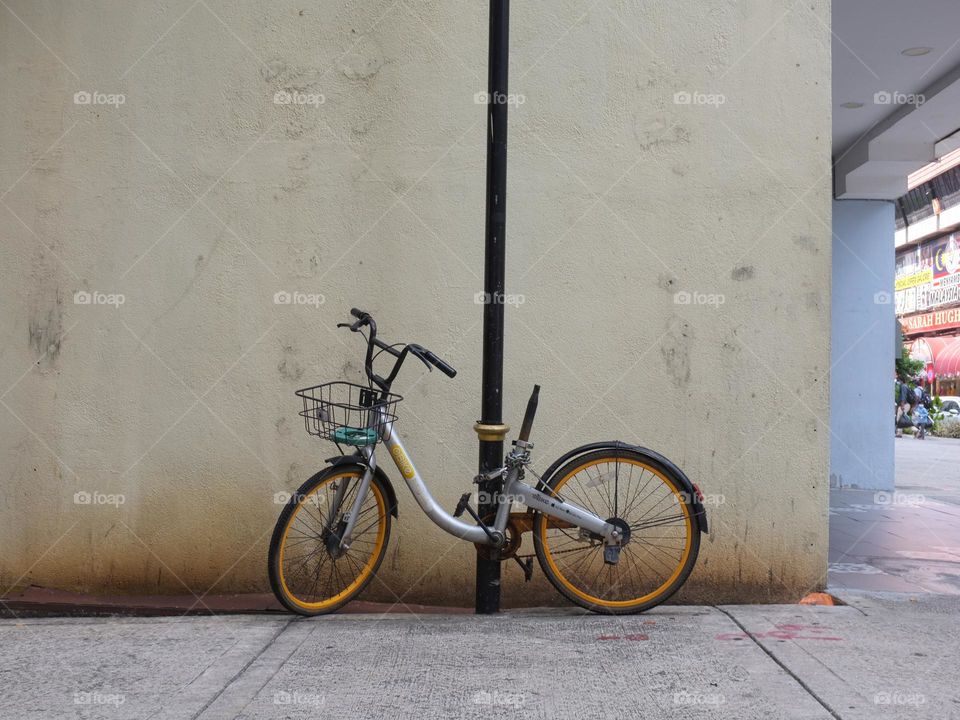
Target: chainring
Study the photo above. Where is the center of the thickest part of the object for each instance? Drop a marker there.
(518, 524)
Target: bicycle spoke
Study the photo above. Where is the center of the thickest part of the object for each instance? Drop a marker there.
(659, 522)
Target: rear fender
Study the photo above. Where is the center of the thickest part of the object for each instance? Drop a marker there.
(691, 490)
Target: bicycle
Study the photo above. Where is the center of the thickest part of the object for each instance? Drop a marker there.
(616, 527)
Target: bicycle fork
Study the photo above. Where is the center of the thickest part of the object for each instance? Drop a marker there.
(339, 530)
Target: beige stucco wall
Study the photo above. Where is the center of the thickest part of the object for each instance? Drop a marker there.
(199, 198)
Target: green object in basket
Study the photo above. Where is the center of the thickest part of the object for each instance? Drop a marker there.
(357, 437)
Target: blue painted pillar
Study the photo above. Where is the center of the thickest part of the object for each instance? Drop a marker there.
(863, 337)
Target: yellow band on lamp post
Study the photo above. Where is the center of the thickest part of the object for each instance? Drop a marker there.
(491, 433)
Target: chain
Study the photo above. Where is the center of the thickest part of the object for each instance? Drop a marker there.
(556, 552)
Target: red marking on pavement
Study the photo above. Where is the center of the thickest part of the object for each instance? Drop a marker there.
(786, 632)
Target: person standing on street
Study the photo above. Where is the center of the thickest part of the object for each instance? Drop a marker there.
(905, 398)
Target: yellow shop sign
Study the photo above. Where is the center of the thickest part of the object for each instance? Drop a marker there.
(913, 280)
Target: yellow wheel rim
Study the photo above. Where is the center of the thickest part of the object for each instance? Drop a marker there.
(684, 521)
(365, 569)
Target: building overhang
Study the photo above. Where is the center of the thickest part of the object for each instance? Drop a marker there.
(914, 135)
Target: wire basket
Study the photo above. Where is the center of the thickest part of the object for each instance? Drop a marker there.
(347, 413)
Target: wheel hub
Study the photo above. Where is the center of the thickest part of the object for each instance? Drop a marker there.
(333, 539)
(623, 529)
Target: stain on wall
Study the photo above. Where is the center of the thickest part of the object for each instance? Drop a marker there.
(675, 350)
(45, 331)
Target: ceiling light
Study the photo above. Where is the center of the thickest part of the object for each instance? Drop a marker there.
(851, 105)
(916, 51)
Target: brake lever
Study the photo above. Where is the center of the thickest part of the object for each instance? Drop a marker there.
(353, 327)
(416, 350)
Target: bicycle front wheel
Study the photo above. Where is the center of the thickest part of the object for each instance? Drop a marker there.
(650, 504)
(309, 573)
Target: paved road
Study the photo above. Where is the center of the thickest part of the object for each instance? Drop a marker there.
(932, 464)
(907, 541)
(870, 660)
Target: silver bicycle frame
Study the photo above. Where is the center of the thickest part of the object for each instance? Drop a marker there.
(514, 490)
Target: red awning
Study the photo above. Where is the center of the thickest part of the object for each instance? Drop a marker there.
(943, 352)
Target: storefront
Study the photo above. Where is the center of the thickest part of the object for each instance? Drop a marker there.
(940, 356)
(941, 359)
(928, 305)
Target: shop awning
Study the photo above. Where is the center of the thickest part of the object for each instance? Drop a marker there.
(943, 352)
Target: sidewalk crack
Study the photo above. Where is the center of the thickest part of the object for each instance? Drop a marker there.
(242, 670)
(823, 703)
(280, 666)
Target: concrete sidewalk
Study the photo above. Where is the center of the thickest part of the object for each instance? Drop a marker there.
(876, 658)
(907, 540)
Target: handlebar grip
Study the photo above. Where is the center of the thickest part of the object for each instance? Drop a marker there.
(359, 314)
(529, 415)
(441, 365)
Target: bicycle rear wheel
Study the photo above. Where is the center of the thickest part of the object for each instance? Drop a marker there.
(650, 503)
(309, 573)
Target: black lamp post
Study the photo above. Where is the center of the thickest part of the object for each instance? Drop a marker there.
(491, 429)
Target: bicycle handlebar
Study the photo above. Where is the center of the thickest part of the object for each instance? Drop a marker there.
(428, 357)
(441, 365)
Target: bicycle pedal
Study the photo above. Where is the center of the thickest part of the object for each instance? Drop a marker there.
(462, 505)
(526, 566)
